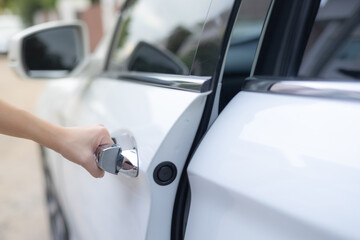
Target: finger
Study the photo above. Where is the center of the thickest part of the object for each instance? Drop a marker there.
(97, 172)
(103, 137)
(94, 170)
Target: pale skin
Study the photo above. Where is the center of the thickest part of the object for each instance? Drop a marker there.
(76, 144)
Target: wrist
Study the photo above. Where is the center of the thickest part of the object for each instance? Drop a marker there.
(53, 137)
(59, 137)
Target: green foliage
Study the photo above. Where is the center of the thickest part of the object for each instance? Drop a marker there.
(27, 8)
(124, 32)
(4, 4)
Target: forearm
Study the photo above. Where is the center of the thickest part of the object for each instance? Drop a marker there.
(19, 123)
(77, 144)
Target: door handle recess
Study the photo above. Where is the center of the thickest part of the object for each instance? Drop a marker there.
(112, 159)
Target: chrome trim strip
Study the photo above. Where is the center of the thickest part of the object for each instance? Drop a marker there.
(311, 88)
(181, 82)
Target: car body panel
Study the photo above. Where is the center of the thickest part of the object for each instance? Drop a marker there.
(273, 165)
(162, 117)
(290, 176)
(141, 205)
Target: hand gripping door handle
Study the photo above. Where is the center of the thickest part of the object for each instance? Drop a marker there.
(112, 159)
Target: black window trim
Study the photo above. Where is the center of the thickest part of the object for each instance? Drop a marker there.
(284, 37)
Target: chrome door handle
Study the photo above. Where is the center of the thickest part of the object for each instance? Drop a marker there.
(112, 159)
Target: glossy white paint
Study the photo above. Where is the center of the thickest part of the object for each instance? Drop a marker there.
(163, 122)
(278, 167)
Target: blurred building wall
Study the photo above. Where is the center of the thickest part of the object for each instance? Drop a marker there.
(68, 9)
(98, 17)
(92, 16)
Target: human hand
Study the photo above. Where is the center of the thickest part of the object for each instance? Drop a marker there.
(78, 144)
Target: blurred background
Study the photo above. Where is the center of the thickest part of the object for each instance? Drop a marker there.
(23, 213)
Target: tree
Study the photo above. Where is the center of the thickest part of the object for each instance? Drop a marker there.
(4, 4)
(27, 8)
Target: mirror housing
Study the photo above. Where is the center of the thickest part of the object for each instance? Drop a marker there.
(51, 50)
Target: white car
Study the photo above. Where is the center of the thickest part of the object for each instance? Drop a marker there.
(9, 26)
(233, 120)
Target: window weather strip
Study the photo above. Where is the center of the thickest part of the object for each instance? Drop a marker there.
(180, 82)
(310, 88)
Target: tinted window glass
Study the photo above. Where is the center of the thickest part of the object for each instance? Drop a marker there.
(159, 36)
(244, 38)
(243, 44)
(333, 50)
(208, 52)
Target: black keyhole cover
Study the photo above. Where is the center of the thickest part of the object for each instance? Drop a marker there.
(165, 173)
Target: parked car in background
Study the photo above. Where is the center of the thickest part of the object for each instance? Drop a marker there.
(240, 116)
(9, 25)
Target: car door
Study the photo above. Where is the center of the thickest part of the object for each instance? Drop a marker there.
(163, 63)
(282, 159)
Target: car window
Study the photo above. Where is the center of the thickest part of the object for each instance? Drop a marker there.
(159, 36)
(209, 50)
(333, 50)
(243, 44)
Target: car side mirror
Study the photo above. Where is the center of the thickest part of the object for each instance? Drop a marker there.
(148, 58)
(50, 50)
